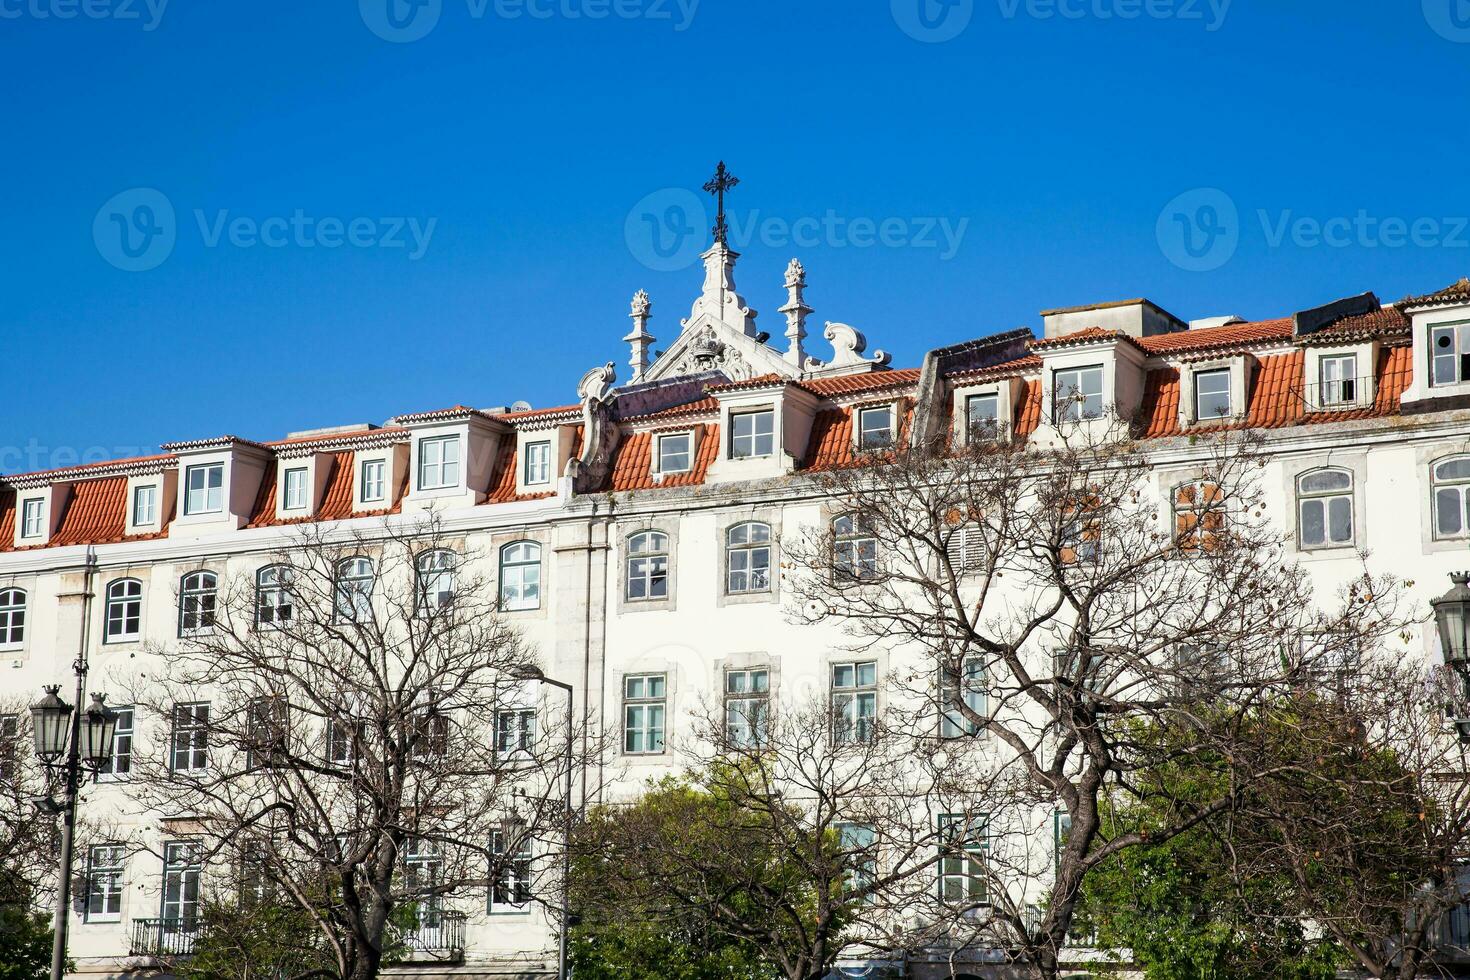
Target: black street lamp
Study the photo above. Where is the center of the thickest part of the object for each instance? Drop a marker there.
(1452, 616)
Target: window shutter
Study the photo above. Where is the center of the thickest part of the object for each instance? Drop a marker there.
(966, 548)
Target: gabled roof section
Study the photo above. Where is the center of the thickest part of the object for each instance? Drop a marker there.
(1451, 295)
(633, 464)
(1216, 338)
(847, 384)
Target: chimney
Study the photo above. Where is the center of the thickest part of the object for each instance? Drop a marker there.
(1134, 317)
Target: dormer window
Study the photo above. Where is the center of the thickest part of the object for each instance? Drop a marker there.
(538, 463)
(438, 462)
(1449, 350)
(1212, 394)
(204, 489)
(875, 427)
(1338, 379)
(1077, 394)
(372, 482)
(33, 516)
(982, 415)
(295, 498)
(145, 505)
(752, 434)
(674, 453)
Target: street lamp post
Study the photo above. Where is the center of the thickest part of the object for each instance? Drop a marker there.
(1452, 616)
(65, 740)
(534, 673)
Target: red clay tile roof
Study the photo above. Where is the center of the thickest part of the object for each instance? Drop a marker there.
(503, 482)
(1029, 417)
(1388, 321)
(831, 440)
(1458, 292)
(1210, 338)
(633, 462)
(538, 412)
(1005, 369)
(86, 469)
(759, 381)
(336, 503)
(846, 384)
(702, 406)
(1084, 336)
(96, 513)
(7, 519)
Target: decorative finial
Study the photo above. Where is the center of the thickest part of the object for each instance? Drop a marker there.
(641, 305)
(795, 274)
(640, 338)
(722, 181)
(796, 312)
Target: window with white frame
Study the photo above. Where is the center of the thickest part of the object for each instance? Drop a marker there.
(189, 739)
(372, 484)
(204, 489)
(438, 462)
(120, 763)
(515, 731)
(520, 576)
(511, 890)
(198, 592)
(674, 455)
(267, 729)
(1449, 352)
(858, 854)
(875, 427)
(1077, 394)
(1212, 394)
(964, 686)
(124, 611)
(1061, 830)
(748, 558)
(105, 882)
(295, 498)
(32, 518)
(145, 504)
(274, 599)
(648, 566)
(854, 548)
(854, 695)
(183, 872)
(344, 737)
(12, 619)
(538, 463)
(1452, 497)
(423, 869)
(982, 416)
(435, 571)
(353, 591)
(1324, 504)
(747, 707)
(752, 434)
(431, 732)
(645, 702)
(1337, 379)
(963, 843)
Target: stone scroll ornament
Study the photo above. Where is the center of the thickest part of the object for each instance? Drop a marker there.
(848, 346)
(599, 434)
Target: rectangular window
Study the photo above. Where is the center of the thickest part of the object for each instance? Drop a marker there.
(515, 730)
(182, 870)
(10, 746)
(267, 729)
(295, 489)
(1449, 352)
(962, 846)
(371, 485)
(1199, 517)
(747, 707)
(967, 688)
(31, 518)
(1077, 394)
(752, 434)
(673, 453)
(512, 888)
(121, 762)
(856, 841)
(538, 463)
(105, 882)
(423, 872)
(1338, 377)
(644, 704)
(145, 505)
(1061, 829)
(190, 739)
(343, 737)
(982, 413)
(854, 701)
(875, 428)
(439, 462)
(204, 489)
(1212, 395)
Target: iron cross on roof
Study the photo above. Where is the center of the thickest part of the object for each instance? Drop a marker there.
(722, 181)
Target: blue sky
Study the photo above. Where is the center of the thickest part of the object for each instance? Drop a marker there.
(1068, 146)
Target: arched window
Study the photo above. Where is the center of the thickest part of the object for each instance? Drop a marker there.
(197, 594)
(12, 618)
(854, 548)
(748, 558)
(1452, 498)
(274, 602)
(520, 575)
(648, 565)
(124, 619)
(354, 590)
(436, 580)
(1324, 506)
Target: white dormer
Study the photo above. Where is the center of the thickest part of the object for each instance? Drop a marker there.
(764, 429)
(1091, 384)
(986, 409)
(38, 512)
(218, 480)
(672, 452)
(151, 499)
(1213, 390)
(452, 456)
(1441, 331)
(1341, 377)
(875, 424)
(541, 456)
(301, 482)
(377, 474)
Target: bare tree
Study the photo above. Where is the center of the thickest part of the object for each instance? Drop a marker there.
(1052, 602)
(333, 737)
(28, 838)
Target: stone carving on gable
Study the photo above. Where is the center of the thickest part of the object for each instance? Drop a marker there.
(600, 434)
(848, 346)
(702, 352)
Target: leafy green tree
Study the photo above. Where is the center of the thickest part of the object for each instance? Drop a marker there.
(263, 941)
(25, 942)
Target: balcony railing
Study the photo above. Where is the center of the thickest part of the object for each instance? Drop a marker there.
(163, 938)
(439, 935)
(1347, 395)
